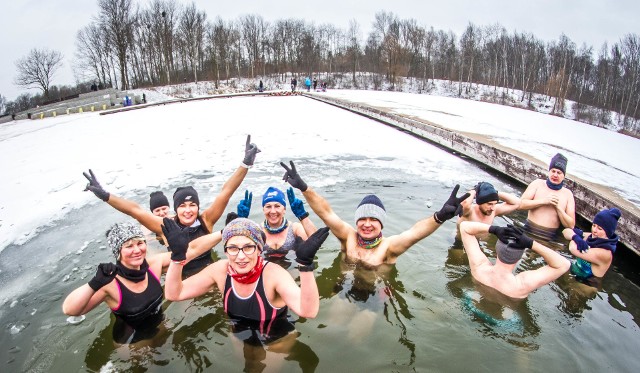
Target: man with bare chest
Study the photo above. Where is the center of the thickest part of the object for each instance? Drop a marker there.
(365, 243)
(550, 204)
(489, 204)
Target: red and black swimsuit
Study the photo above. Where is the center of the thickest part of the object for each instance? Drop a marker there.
(255, 311)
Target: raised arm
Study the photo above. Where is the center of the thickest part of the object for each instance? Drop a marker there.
(468, 231)
(557, 265)
(143, 216)
(88, 296)
(297, 207)
(318, 204)
(510, 203)
(216, 209)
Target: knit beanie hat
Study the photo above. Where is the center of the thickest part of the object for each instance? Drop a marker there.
(559, 161)
(507, 253)
(273, 195)
(183, 194)
(157, 199)
(607, 219)
(243, 227)
(371, 207)
(120, 233)
(485, 192)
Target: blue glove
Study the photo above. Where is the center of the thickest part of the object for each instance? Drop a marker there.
(297, 206)
(578, 231)
(244, 207)
(581, 244)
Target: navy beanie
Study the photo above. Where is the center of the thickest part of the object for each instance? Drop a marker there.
(607, 219)
(559, 161)
(157, 199)
(485, 192)
(273, 195)
(371, 207)
(183, 194)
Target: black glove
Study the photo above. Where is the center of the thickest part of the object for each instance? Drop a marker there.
(291, 176)
(250, 151)
(306, 250)
(231, 217)
(452, 207)
(297, 206)
(177, 239)
(504, 233)
(521, 240)
(105, 273)
(95, 187)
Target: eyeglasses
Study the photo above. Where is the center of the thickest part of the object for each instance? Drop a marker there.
(247, 249)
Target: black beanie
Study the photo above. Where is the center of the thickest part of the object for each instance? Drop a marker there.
(485, 192)
(183, 194)
(157, 199)
(559, 161)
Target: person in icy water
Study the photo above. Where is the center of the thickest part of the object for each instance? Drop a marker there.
(280, 233)
(549, 203)
(186, 204)
(256, 293)
(510, 247)
(130, 287)
(365, 243)
(594, 251)
(489, 204)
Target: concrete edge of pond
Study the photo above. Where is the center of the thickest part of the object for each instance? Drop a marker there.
(590, 198)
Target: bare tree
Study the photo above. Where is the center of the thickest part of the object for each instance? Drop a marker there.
(3, 104)
(36, 70)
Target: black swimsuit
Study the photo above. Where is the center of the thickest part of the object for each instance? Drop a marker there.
(196, 264)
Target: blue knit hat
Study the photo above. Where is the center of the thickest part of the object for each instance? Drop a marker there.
(371, 207)
(559, 161)
(243, 227)
(183, 194)
(607, 219)
(485, 192)
(273, 195)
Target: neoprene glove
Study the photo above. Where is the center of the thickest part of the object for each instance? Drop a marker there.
(581, 244)
(297, 206)
(244, 206)
(306, 250)
(177, 239)
(95, 187)
(291, 176)
(521, 240)
(451, 207)
(503, 233)
(250, 151)
(105, 273)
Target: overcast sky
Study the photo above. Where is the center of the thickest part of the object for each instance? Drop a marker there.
(28, 24)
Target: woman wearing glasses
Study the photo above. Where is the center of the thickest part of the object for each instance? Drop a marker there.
(256, 293)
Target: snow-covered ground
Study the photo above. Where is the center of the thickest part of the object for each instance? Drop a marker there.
(202, 142)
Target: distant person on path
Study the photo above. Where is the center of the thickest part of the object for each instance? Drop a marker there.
(315, 83)
(550, 204)
(280, 234)
(594, 252)
(260, 86)
(186, 204)
(510, 246)
(487, 204)
(365, 243)
(256, 294)
(294, 83)
(130, 287)
(307, 83)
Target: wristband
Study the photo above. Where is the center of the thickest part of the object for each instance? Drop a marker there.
(180, 262)
(435, 217)
(307, 268)
(303, 216)
(244, 165)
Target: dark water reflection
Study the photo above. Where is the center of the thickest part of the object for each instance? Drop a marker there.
(423, 314)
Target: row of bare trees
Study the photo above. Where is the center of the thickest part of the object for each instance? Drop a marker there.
(131, 45)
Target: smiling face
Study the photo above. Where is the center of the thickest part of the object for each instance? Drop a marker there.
(187, 213)
(556, 176)
(133, 252)
(274, 213)
(242, 263)
(598, 232)
(368, 228)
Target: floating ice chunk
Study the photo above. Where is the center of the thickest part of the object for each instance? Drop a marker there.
(75, 319)
(13, 304)
(17, 328)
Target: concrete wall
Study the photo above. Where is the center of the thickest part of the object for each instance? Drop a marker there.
(589, 198)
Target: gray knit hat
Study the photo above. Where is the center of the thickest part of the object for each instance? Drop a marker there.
(120, 233)
(371, 207)
(507, 253)
(243, 227)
